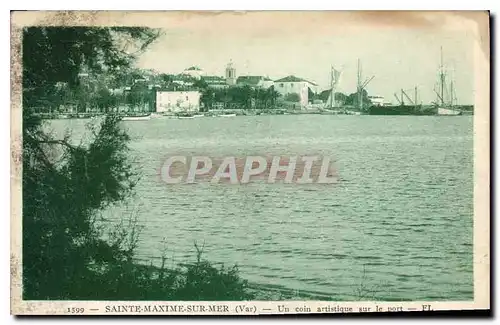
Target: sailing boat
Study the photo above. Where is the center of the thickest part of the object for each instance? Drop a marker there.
(445, 100)
(331, 103)
(360, 91)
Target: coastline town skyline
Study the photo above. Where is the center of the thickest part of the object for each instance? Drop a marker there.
(396, 58)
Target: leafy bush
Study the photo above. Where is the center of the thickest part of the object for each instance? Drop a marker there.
(66, 254)
(202, 281)
(292, 97)
(61, 198)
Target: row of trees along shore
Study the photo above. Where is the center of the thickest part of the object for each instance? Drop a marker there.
(246, 97)
(66, 253)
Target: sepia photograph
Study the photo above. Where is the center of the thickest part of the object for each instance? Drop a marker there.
(264, 162)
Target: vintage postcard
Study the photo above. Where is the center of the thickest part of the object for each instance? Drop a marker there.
(243, 163)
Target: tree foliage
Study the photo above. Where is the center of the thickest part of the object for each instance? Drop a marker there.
(341, 98)
(354, 99)
(61, 198)
(244, 97)
(59, 54)
(67, 254)
(64, 185)
(140, 96)
(292, 97)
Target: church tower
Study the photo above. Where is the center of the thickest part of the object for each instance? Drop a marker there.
(230, 74)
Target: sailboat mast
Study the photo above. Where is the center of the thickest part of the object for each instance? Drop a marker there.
(416, 98)
(331, 86)
(451, 93)
(360, 95)
(442, 77)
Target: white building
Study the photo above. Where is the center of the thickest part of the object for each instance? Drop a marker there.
(255, 81)
(292, 84)
(266, 83)
(177, 101)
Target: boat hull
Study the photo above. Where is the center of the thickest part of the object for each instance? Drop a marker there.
(352, 113)
(136, 118)
(447, 111)
(401, 110)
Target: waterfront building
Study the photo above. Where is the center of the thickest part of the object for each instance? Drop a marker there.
(254, 81)
(293, 84)
(177, 101)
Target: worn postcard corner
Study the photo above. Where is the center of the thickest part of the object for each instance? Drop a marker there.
(243, 163)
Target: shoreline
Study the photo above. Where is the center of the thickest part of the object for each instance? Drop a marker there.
(229, 113)
(265, 292)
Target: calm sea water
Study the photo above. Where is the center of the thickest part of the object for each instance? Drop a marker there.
(398, 223)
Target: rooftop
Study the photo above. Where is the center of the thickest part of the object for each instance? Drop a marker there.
(251, 80)
(293, 78)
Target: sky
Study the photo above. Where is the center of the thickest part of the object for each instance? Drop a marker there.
(277, 44)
